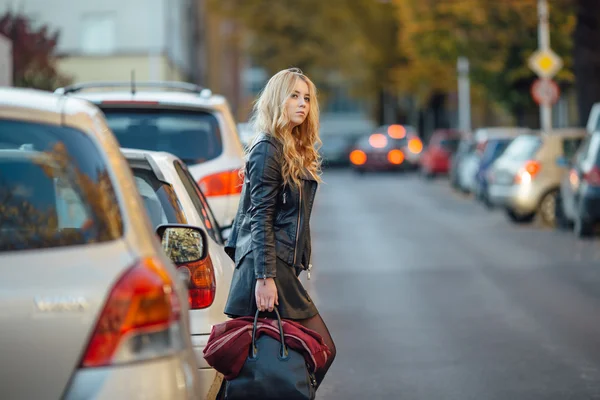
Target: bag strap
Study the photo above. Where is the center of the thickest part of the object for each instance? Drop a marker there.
(254, 349)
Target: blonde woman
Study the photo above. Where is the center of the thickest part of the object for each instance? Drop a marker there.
(270, 238)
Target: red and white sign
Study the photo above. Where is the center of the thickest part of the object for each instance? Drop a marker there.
(545, 91)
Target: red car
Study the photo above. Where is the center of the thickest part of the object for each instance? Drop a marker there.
(435, 160)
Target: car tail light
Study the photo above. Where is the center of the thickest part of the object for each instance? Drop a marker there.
(202, 286)
(222, 184)
(378, 140)
(395, 157)
(528, 172)
(139, 319)
(415, 145)
(592, 177)
(358, 157)
(396, 131)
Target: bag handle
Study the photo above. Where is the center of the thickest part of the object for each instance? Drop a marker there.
(284, 350)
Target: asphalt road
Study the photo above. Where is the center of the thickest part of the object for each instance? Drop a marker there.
(429, 296)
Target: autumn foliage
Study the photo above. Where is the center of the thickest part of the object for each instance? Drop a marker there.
(34, 58)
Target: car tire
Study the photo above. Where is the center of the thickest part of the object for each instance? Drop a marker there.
(519, 218)
(547, 209)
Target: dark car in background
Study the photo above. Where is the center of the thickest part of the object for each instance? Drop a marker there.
(493, 149)
(579, 199)
(390, 147)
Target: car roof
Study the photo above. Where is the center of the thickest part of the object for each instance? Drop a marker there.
(44, 107)
(565, 132)
(165, 93)
(500, 131)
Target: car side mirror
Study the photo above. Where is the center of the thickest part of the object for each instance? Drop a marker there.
(562, 161)
(183, 243)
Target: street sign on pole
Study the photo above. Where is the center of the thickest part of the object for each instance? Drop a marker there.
(545, 63)
(545, 91)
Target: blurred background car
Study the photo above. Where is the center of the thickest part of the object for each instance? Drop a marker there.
(470, 162)
(492, 150)
(105, 316)
(172, 196)
(336, 148)
(180, 118)
(390, 147)
(435, 159)
(579, 200)
(465, 147)
(525, 180)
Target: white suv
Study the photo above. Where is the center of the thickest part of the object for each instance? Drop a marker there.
(179, 118)
(171, 197)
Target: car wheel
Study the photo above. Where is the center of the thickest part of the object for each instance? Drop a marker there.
(547, 209)
(520, 218)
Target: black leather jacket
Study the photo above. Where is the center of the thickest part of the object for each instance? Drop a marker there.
(272, 219)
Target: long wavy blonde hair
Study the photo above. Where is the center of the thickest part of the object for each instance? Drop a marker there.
(301, 143)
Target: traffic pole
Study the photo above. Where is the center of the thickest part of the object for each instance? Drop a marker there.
(544, 44)
(464, 95)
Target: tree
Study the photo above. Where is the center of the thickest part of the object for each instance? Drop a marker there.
(497, 37)
(33, 53)
(354, 39)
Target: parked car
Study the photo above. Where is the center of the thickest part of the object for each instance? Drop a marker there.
(172, 196)
(470, 162)
(493, 150)
(180, 118)
(435, 159)
(525, 180)
(96, 307)
(579, 200)
(465, 147)
(336, 148)
(390, 147)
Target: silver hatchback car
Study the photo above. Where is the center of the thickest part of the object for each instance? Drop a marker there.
(525, 179)
(92, 307)
(171, 196)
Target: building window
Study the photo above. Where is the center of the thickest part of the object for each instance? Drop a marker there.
(98, 33)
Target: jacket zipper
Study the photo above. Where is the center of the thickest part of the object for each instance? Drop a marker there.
(298, 224)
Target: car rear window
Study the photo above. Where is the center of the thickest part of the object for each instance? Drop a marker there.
(159, 198)
(570, 146)
(523, 148)
(55, 189)
(193, 136)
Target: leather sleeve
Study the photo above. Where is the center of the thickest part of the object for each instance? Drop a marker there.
(264, 171)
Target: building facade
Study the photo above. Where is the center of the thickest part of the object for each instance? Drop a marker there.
(108, 39)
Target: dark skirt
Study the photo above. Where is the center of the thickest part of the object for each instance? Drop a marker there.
(294, 301)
